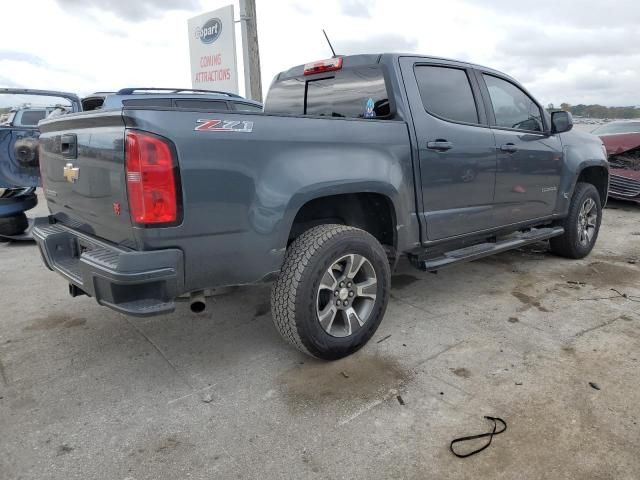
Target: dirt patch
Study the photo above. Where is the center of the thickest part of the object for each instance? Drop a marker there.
(75, 322)
(402, 280)
(358, 378)
(54, 320)
(64, 449)
(607, 274)
(167, 444)
(529, 301)
(461, 372)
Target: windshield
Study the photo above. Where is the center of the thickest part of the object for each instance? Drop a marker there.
(26, 110)
(618, 127)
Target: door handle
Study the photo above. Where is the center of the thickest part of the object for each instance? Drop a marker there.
(69, 145)
(440, 145)
(509, 148)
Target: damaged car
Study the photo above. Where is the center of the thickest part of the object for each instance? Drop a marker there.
(622, 141)
(20, 111)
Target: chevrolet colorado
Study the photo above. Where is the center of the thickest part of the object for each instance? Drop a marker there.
(355, 161)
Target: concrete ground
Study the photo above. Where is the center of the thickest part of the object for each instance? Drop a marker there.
(88, 393)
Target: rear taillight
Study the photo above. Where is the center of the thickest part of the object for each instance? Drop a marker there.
(330, 65)
(151, 179)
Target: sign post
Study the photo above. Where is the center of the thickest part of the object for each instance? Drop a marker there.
(250, 50)
(212, 47)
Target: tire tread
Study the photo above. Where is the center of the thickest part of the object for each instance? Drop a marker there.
(284, 292)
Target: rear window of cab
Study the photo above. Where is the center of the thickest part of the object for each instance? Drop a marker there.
(349, 93)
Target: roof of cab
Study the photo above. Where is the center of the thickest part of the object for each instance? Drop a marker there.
(373, 59)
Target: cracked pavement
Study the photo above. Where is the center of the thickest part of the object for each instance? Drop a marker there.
(88, 393)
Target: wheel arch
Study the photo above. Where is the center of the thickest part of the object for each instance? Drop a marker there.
(598, 176)
(370, 209)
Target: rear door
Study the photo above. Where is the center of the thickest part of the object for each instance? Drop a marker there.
(529, 158)
(456, 148)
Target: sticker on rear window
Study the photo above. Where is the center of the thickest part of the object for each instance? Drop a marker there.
(369, 113)
(206, 125)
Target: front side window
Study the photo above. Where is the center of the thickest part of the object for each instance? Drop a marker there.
(446, 92)
(512, 107)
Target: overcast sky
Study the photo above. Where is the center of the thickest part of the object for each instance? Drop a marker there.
(579, 51)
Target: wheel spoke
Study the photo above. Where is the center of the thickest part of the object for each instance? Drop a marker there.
(590, 204)
(352, 320)
(589, 233)
(367, 289)
(328, 281)
(353, 265)
(582, 236)
(327, 316)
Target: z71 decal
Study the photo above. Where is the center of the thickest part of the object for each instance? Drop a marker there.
(205, 125)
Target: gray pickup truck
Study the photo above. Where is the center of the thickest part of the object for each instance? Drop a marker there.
(354, 162)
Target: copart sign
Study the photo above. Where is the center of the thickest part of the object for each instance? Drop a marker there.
(212, 48)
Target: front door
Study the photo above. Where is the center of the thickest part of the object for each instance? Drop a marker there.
(529, 158)
(456, 148)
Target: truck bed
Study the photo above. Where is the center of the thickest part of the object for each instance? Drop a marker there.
(240, 186)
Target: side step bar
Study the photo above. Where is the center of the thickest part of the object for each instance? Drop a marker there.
(485, 249)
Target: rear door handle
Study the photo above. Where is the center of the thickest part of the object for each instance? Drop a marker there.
(509, 148)
(69, 145)
(440, 145)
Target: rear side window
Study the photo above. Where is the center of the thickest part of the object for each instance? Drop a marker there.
(286, 96)
(349, 93)
(201, 104)
(32, 117)
(512, 107)
(446, 92)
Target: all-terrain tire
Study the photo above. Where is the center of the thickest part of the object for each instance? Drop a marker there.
(294, 297)
(569, 244)
(13, 225)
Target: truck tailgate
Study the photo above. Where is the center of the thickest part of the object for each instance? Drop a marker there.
(83, 174)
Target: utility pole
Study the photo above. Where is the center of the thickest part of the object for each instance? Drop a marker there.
(250, 50)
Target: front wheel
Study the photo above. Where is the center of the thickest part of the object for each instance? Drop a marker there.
(332, 291)
(582, 224)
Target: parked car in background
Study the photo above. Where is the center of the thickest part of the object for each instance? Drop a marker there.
(622, 141)
(21, 110)
(357, 160)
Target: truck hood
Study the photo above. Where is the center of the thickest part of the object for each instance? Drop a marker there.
(620, 142)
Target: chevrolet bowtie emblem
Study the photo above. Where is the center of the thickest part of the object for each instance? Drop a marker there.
(71, 173)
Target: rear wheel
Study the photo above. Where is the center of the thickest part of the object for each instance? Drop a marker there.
(13, 225)
(582, 224)
(332, 291)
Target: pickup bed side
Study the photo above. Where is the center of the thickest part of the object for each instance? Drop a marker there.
(241, 191)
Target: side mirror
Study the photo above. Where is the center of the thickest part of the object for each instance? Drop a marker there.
(561, 121)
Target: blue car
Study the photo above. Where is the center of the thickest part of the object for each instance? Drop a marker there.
(20, 111)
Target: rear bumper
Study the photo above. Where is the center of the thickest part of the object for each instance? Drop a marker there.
(131, 282)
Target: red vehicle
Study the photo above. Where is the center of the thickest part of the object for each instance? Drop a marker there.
(622, 141)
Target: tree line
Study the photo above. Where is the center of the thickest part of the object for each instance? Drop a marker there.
(598, 111)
